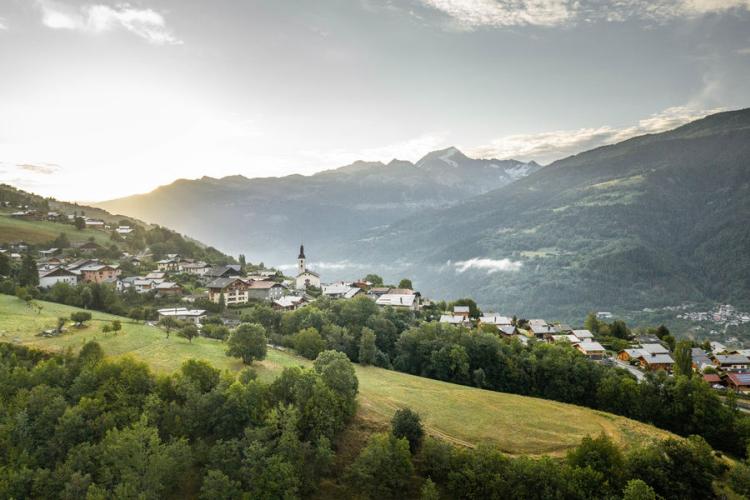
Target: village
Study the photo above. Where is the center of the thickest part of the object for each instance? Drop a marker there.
(189, 290)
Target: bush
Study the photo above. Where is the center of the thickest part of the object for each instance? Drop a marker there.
(407, 424)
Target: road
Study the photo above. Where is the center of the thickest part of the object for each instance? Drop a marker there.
(632, 369)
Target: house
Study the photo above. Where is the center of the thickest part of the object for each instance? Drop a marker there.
(399, 301)
(265, 290)
(223, 272)
(592, 350)
(460, 311)
(196, 268)
(539, 328)
(305, 278)
(124, 230)
(95, 224)
(583, 335)
(656, 361)
(629, 354)
(137, 283)
(732, 362)
(234, 291)
(168, 265)
(377, 291)
(453, 319)
(289, 302)
(49, 278)
(717, 347)
(340, 291)
(738, 382)
(49, 253)
(712, 379)
(183, 314)
(495, 320)
(565, 338)
(700, 359)
(156, 275)
(168, 288)
(508, 330)
(99, 273)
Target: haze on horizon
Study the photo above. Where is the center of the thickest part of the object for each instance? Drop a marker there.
(101, 99)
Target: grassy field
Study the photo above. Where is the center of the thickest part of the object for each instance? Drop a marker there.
(463, 415)
(35, 232)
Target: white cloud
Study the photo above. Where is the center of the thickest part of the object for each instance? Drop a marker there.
(145, 23)
(489, 265)
(548, 146)
(470, 14)
(3, 26)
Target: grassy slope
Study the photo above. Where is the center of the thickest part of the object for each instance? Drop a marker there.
(463, 415)
(35, 232)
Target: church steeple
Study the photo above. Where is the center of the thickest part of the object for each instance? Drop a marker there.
(301, 267)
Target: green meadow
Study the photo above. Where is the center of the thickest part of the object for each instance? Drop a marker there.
(460, 414)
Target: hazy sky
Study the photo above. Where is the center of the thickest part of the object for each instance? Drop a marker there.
(102, 99)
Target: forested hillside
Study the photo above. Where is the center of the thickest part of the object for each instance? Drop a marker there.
(655, 220)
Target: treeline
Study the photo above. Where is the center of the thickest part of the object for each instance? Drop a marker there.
(397, 339)
(82, 427)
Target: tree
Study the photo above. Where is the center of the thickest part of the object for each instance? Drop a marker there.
(374, 279)
(116, 326)
(405, 283)
(591, 323)
(429, 491)
(218, 486)
(168, 323)
(80, 317)
(80, 223)
(383, 469)
(338, 374)
(309, 343)
(367, 349)
(60, 325)
(407, 424)
(29, 274)
(188, 332)
(636, 489)
(4, 265)
(619, 329)
(603, 456)
(222, 302)
(241, 260)
(683, 359)
(248, 342)
(61, 241)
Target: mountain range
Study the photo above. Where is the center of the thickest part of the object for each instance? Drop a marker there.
(652, 221)
(267, 218)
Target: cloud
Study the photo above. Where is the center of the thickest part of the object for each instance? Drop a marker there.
(97, 18)
(471, 14)
(745, 51)
(44, 168)
(3, 25)
(489, 265)
(547, 146)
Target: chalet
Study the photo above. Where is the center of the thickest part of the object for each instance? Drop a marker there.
(462, 311)
(592, 350)
(124, 230)
(95, 224)
(183, 314)
(399, 301)
(57, 275)
(565, 338)
(265, 290)
(234, 291)
(454, 319)
(168, 265)
(738, 382)
(137, 283)
(340, 291)
(712, 379)
(223, 272)
(656, 361)
(495, 320)
(717, 347)
(377, 291)
(289, 303)
(508, 330)
(156, 275)
(196, 268)
(99, 273)
(539, 328)
(700, 359)
(48, 253)
(583, 335)
(732, 362)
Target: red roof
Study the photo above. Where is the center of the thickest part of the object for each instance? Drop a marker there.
(739, 379)
(712, 378)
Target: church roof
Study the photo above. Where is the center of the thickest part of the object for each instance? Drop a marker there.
(301, 252)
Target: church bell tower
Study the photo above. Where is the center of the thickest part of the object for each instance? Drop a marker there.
(301, 268)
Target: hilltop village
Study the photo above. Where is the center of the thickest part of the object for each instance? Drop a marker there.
(188, 289)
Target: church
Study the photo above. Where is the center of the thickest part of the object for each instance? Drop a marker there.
(305, 278)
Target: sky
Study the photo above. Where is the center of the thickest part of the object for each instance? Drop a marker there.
(104, 99)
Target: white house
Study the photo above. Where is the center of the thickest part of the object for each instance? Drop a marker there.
(398, 300)
(183, 314)
(305, 278)
(57, 275)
